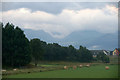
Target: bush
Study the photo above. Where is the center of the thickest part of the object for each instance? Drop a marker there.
(106, 59)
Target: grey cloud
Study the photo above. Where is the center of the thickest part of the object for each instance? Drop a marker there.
(54, 7)
(65, 22)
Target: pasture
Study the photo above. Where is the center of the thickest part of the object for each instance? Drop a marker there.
(94, 71)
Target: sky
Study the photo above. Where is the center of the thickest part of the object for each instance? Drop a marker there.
(61, 19)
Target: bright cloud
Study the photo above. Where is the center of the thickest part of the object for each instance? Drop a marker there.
(102, 20)
(94, 47)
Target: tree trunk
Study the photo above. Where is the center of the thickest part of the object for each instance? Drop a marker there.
(35, 63)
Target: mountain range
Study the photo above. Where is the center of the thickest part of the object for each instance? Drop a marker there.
(89, 39)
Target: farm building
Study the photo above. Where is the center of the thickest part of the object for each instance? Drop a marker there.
(116, 52)
(95, 52)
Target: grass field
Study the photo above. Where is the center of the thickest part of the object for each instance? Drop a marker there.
(94, 71)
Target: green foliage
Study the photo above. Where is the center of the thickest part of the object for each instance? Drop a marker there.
(36, 50)
(104, 58)
(15, 47)
(85, 55)
(55, 52)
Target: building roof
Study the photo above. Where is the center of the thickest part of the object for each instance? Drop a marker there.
(100, 51)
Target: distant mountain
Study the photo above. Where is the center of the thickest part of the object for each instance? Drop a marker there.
(30, 34)
(107, 41)
(82, 37)
(77, 38)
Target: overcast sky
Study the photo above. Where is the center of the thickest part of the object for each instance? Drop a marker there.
(61, 19)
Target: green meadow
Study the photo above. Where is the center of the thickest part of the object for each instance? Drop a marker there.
(94, 71)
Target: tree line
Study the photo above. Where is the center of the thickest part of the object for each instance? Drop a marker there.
(18, 51)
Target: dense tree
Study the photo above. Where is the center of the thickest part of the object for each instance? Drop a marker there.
(71, 55)
(85, 55)
(103, 57)
(55, 52)
(36, 50)
(15, 47)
